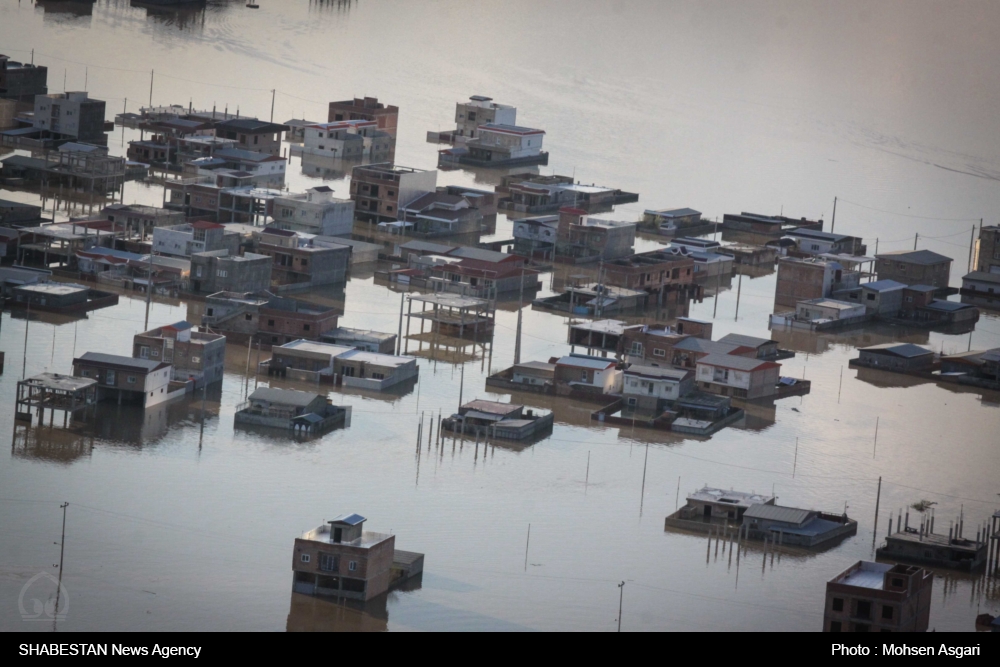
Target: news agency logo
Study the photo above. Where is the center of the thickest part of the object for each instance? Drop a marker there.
(54, 605)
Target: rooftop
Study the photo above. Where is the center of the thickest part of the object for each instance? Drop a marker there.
(824, 302)
(883, 285)
(982, 276)
(778, 513)
(907, 350)
(348, 519)
(815, 234)
(867, 575)
(55, 289)
(937, 539)
(742, 339)
(673, 212)
(736, 363)
(658, 372)
(146, 365)
(736, 498)
(366, 541)
(510, 129)
(925, 257)
(60, 382)
(492, 407)
(251, 125)
(451, 300)
(585, 361)
(284, 396)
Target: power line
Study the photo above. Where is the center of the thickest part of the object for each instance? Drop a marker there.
(907, 215)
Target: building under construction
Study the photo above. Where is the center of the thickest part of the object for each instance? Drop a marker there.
(54, 392)
(75, 170)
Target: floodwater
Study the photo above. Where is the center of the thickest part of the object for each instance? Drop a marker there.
(178, 522)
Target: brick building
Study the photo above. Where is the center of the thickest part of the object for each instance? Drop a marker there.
(878, 597)
(218, 271)
(272, 320)
(379, 190)
(580, 238)
(297, 261)
(803, 279)
(988, 257)
(192, 354)
(914, 267)
(251, 134)
(22, 81)
(341, 559)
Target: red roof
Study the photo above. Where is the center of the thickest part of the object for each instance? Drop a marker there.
(205, 224)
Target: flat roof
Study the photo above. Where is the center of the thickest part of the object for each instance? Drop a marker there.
(677, 374)
(492, 407)
(867, 575)
(349, 519)
(778, 513)
(536, 365)
(377, 358)
(324, 534)
(914, 256)
(147, 365)
(673, 212)
(317, 347)
(582, 361)
(743, 339)
(824, 302)
(60, 382)
(736, 498)
(56, 289)
(450, 300)
(359, 334)
(616, 327)
(913, 535)
(736, 363)
(982, 276)
(510, 129)
(907, 350)
(886, 285)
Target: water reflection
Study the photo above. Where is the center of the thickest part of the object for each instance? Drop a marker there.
(66, 10)
(331, 6)
(314, 614)
(185, 16)
(51, 444)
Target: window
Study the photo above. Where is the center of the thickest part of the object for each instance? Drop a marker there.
(636, 348)
(248, 316)
(887, 612)
(144, 352)
(897, 583)
(220, 273)
(657, 352)
(270, 323)
(835, 626)
(871, 297)
(305, 558)
(305, 327)
(388, 208)
(352, 566)
(85, 373)
(328, 563)
(130, 379)
(838, 604)
(864, 609)
(632, 401)
(110, 378)
(195, 360)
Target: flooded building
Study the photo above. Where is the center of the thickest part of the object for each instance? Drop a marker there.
(983, 287)
(914, 267)
(138, 220)
(379, 190)
(219, 271)
(796, 527)
(498, 146)
(250, 134)
(882, 297)
(340, 559)
(822, 314)
(17, 214)
(652, 388)
(688, 352)
(764, 348)
(60, 297)
(256, 168)
(127, 380)
(766, 225)
(815, 242)
(71, 114)
(979, 366)
(301, 412)
(668, 276)
(988, 254)
(315, 211)
(451, 314)
(272, 320)
(653, 344)
(738, 377)
(469, 116)
(527, 193)
(878, 597)
(895, 357)
(386, 116)
(581, 238)
(326, 362)
(594, 299)
(436, 214)
(586, 374)
(193, 355)
(709, 507)
(54, 392)
(345, 139)
(298, 263)
(187, 239)
(814, 278)
(671, 221)
(362, 339)
(492, 419)
(21, 82)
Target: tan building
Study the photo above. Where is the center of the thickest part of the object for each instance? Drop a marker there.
(367, 108)
(803, 279)
(192, 354)
(380, 190)
(988, 258)
(878, 597)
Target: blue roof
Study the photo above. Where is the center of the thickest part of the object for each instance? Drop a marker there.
(180, 326)
(349, 519)
(883, 285)
(948, 306)
(908, 350)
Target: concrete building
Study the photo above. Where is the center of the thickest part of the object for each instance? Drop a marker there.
(764, 348)
(803, 279)
(772, 226)
(671, 220)
(653, 344)
(709, 506)
(437, 214)
(796, 527)
(325, 362)
(581, 238)
(689, 351)
(346, 139)
(505, 421)
(263, 170)
(51, 296)
(882, 297)
(656, 272)
(988, 254)
(499, 146)
(193, 355)
(385, 116)
(914, 267)
(8, 113)
(538, 193)
(72, 115)
(315, 211)
(142, 381)
(589, 374)
(138, 220)
(12, 277)
(21, 82)
(301, 412)
(251, 134)
(878, 597)
(379, 190)
(815, 242)
(189, 238)
(820, 309)
(297, 263)
(219, 271)
(652, 387)
(270, 319)
(342, 560)
(895, 357)
(478, 111)
(739, 377)
(983, 365)
(534, 373)
(919, 545)
(982, 285)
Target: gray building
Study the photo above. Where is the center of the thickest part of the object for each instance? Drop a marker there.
(21, 81)
(914, 267)
(72, 114)
(794, 526)
(895, 357)
(882, 297)
(218, 271)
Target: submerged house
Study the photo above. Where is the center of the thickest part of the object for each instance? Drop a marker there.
(493, 419)
(340, 559)
(794, 526)
(127, 380)
(895, 357)
(709, 507)
(301, 412)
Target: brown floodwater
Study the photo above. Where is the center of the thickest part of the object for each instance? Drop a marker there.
(179, 522)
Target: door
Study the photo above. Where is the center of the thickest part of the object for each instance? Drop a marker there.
(338, 534)
(708, 511)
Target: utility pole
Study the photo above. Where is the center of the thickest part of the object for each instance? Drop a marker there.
(520, 306)
(739, 288)
(878, 497)
(272, 104)
(916, 236)
(461, 386)
(27, 320)
(399, 334)
(833, 223)
(621, 593)
(150, 87)
(62, 550)
(972, 242)
(149, 287)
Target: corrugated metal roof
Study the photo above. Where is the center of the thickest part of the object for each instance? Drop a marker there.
(778, 513)
(883, 285)
(585, 362)
(742, 339)
(908, 350)
(283, 396)
(349, 519)
(118, 360)
(736, 363)
(925, 257)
